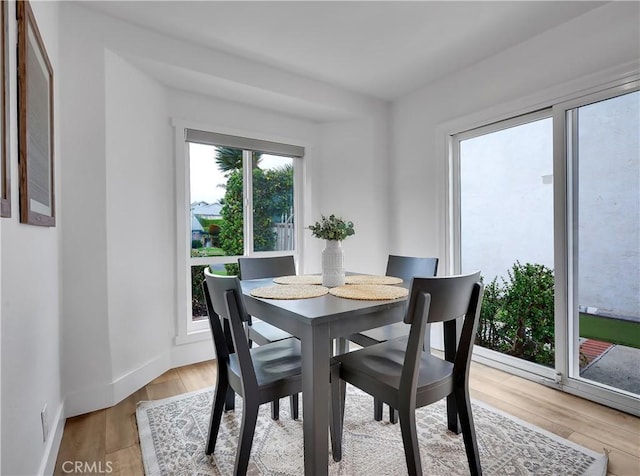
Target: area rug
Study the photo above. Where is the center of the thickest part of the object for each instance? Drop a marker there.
(173, 432)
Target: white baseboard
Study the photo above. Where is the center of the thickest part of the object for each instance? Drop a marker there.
(128, 383)
(89, 400)
(107, 395)
(192, 353)
(48, 463)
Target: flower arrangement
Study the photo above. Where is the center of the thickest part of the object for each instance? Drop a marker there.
(332, 228)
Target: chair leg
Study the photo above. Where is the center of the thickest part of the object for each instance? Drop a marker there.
(377, 410)
(453, 422)
(410, 440)
(275, 410)
(247, 430)
(293, 403)
(216, 413)
(230, 400)
(393, 415)
(468, 431)
(336, 412)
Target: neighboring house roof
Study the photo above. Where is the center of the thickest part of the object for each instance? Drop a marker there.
(206, 209)
(195, 224)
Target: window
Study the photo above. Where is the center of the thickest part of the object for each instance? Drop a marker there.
(240, 199)
(547, 206)
(604, 170)
(506, 231)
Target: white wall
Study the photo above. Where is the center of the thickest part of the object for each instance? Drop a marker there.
(353, 184)
(506, 206)
(601, 39)
(31, 298)
(86, 357)
(140, 270)
(609, 206)
(119, 248)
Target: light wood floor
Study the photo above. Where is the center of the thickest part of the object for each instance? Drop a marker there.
(110, 435)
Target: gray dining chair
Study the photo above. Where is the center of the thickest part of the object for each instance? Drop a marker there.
(262, 332)
(259, 331)
(249, 372)
(405, 267)
(405, 376)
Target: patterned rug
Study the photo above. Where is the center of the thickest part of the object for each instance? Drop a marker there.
(173, 433)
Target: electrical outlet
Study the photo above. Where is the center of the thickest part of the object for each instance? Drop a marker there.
(44, 419)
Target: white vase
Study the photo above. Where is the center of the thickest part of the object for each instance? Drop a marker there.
(333, 264)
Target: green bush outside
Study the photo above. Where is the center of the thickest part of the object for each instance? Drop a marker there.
(198, 305)
(272, 197)
(517, 315)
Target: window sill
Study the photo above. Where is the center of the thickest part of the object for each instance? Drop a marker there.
(192, 337)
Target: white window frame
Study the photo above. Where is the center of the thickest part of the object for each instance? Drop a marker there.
(559, 99)
(567, 249)
(188, 330)
(482, 354)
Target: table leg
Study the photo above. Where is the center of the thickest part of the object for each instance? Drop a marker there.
(316, 353)
(342, 345)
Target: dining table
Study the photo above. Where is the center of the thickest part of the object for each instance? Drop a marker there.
(317, 322)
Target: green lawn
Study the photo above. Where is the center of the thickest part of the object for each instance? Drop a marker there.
(616, 331)
(204, 252)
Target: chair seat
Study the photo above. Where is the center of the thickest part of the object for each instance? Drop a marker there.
(263, 333)
(273, 363)
(380, 334)
(380, 366)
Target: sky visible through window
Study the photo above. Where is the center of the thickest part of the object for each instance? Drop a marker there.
(207, 182)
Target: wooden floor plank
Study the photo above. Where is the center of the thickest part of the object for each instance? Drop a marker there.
(126, 462)
(536, 419)
(487, 374)
(167, 376)
(620, 462)
(587, 408)
(110, 436)
(528, 400)
(121, 427)
(198, 376)
(83, 441)
(167, 388)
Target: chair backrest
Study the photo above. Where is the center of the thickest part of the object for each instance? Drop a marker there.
(272, 267)
(442, 299)
(219, 340)
(408, 267)
(224, 300)
(217, 286)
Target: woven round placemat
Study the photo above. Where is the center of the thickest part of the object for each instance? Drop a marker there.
(293, 291)
(369, 292)
(299, 279)
(371, 279)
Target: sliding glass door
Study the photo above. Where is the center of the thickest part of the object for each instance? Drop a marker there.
(506, 232)
(602, 147)
(547, 206)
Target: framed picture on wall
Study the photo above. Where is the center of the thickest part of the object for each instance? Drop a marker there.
(5, 162)
(35, 123)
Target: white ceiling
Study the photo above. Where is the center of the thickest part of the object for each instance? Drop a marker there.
(383, 49)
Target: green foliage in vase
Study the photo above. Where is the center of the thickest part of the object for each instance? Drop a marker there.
(332, 228)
